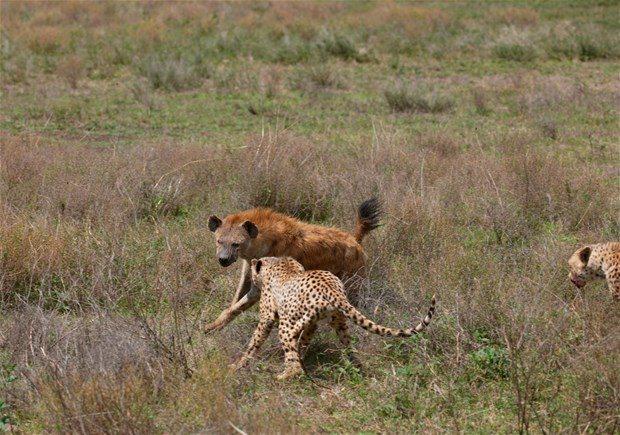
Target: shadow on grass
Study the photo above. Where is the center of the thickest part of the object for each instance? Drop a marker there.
(326, 358)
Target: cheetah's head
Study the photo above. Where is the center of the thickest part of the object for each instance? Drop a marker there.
(260, 269)
(274, 269)
(231, 239)
(579, 272)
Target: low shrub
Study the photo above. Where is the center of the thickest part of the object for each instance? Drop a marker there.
(341, 46)
(514, 52)
(401, 98)
(72, 69)
(167, 73)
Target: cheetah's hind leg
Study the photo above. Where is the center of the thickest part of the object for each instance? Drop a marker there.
(339, 323)
(290, 339)
(306, 337)
(292, 360)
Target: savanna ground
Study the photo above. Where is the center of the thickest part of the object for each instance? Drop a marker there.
(488, 130)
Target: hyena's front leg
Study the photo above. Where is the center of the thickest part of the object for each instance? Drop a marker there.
(230, 313)
(245, 281)
(245, 296)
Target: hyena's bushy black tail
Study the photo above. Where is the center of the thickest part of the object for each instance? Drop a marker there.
(368, 217)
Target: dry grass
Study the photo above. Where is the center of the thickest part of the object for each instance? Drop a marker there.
(71, 69)
(122, 246)
(513, 16)
(46, 40)
(413, 21)
(492, 169)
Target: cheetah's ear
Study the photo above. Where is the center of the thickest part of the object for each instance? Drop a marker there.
(214, 223)
(257, 264)
(251, 228)
(584, 254)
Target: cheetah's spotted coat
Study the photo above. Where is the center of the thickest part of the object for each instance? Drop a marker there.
(298, 299)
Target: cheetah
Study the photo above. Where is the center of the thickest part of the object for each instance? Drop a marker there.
(262, 232)
(601, 260)
(298, 299)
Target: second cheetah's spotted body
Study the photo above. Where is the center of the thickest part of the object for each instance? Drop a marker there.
(298, 299)
(598, 261)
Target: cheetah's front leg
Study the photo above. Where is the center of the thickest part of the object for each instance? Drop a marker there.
(265, 324)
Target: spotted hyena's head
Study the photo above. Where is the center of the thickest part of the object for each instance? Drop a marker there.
(232, 240)
(579, 271)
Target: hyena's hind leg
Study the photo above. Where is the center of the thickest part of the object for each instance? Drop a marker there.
(353, 285)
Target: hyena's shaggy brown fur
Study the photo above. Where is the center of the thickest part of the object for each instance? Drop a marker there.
(262, 232)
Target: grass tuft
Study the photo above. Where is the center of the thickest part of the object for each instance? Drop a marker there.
(514, 52)
(71, 69)
(401, 98)
(168, 74)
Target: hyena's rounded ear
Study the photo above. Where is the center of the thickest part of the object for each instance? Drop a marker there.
(584, 254)
(257, 264)
(214, 223)
(251, 228)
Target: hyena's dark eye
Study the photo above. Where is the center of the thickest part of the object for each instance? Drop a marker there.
(235, 245)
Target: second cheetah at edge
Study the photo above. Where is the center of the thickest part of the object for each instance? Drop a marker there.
(598, 261)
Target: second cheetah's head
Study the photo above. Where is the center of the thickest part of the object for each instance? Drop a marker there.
(579, 271)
